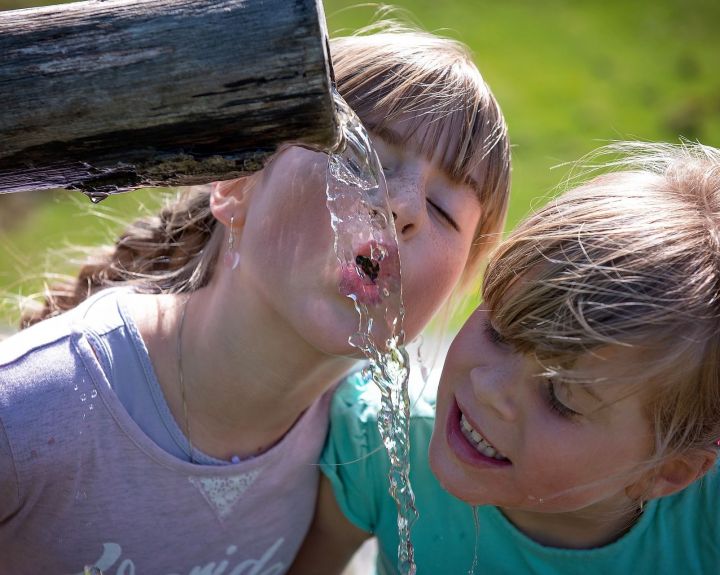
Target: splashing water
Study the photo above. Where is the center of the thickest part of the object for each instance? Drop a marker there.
(366, 246)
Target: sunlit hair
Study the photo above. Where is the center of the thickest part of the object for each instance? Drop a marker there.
(630, 258)
(172, 251)
(429, 87)
(393, 71)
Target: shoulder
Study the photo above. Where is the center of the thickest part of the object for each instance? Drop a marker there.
(93, 314)
(39, 336)
(38, 363)
(31, 357)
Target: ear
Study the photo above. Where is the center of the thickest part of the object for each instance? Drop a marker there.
(675, 474)
(229, 200)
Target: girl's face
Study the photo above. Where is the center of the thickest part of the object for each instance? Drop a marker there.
(286, 246)
(507, 436)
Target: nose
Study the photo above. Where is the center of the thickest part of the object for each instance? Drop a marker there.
(495, 388)
(406, 191)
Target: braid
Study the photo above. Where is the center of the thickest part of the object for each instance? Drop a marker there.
(174, 251)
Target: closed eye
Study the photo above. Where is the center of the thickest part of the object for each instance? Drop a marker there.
(444, 215)
(555, 404)
(493, 335)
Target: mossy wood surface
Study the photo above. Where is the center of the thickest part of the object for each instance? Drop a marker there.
(111, 95)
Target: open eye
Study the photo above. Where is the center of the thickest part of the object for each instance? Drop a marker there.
(555, 404)
(443, 214)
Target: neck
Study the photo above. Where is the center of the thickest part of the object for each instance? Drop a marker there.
(583, 529)
(247, 376)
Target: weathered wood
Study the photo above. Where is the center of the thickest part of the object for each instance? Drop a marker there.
(108, 95)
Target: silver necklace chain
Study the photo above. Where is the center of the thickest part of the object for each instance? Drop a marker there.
(191, 450)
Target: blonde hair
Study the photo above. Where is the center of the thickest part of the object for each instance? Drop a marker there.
(171, 252)
(628, 258)
(392, 71)
(389, 72)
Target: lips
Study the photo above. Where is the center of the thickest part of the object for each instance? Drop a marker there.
(373, 276)
(469, 444)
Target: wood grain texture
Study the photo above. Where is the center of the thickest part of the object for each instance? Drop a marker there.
(127, 93)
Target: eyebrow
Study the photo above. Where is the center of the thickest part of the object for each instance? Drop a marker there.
(395, 139)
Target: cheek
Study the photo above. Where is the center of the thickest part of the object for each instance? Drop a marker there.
(570, 468)
(428, 278)
(421, 301)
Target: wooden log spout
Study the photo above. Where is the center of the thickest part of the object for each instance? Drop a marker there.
(111, 95)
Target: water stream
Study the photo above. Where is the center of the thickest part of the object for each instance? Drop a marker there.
(366, 246)
(476, 523)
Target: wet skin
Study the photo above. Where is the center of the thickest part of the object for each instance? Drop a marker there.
(287, 217)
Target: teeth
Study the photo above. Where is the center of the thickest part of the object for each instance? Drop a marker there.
(478, 441)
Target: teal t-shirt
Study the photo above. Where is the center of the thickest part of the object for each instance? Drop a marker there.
(675, 535)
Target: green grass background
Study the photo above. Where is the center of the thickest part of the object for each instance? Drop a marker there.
(569, 75)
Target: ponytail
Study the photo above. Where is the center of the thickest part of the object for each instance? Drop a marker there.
(171, 252)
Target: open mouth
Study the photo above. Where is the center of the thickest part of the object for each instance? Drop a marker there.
(369, 266)
(374, 274)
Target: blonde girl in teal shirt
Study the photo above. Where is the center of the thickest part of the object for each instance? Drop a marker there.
(579, 407)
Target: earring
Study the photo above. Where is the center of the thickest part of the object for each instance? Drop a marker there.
(232, 257)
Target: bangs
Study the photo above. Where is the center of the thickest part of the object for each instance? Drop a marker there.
(442, 115)
(430, 89)
(423, 92)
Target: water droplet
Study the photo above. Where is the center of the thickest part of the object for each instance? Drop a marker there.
(83, 396)
(93, 394)
(94, 196)
(378, 252)
(476, 523)
(76, 387)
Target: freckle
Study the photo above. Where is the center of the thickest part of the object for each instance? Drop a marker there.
(51, 441)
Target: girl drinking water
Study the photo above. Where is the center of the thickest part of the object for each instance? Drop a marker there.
(170, 420)
(578, 408)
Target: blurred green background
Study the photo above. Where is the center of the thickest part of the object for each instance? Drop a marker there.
(569, 75)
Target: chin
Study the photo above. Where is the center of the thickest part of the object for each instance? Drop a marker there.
(439, 463)
(333, 341)
(448, 474)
